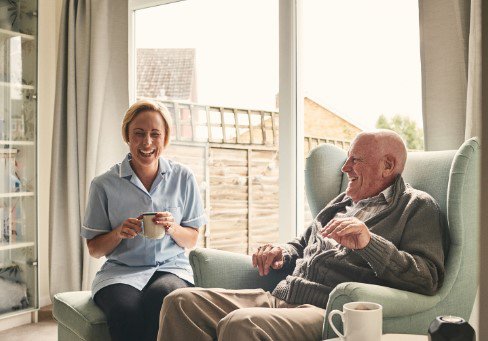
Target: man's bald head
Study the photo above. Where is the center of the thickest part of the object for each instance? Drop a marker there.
(375, 160)
(388, 144)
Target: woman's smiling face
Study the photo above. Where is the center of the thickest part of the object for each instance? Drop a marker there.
(146, 139)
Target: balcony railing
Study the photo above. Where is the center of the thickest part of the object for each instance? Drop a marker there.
(193, 122)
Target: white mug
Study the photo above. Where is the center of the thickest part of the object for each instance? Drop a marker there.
(149, 228)
(362, 321)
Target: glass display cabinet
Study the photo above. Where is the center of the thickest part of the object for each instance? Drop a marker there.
(18, 157)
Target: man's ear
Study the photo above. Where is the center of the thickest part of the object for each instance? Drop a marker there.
(389, 163)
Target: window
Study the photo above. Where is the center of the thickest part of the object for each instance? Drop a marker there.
(356, 74)
(222, 67)
(215, 65)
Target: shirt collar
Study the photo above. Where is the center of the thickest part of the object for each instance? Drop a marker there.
(126, 169)
(385, 195)
(388, 193)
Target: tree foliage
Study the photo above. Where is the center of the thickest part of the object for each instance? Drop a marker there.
(406, 127)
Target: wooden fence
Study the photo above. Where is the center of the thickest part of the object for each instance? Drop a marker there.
(234, 156)
(240, 190)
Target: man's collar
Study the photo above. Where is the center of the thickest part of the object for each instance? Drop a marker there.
(126, 169)
(386, 195)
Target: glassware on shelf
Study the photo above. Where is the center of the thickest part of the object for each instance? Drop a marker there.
(18, 156)
(9, 181)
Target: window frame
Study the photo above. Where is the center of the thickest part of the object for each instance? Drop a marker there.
(291, 178)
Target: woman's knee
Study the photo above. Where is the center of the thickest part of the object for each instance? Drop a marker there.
(162, 286)
(119, 301)
(121, 311)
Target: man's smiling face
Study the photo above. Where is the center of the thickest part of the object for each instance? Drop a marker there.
(364, 169)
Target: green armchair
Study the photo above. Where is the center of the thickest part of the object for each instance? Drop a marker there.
(451, 177)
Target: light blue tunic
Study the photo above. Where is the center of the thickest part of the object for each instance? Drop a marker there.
(119, 194)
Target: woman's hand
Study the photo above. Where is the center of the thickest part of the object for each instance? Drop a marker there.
(104, 244)
(129, 228)
(167, 220)
(183, 236)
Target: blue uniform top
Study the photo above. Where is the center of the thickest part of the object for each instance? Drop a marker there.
(119, 194)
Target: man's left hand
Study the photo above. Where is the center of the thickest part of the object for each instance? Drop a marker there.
(349, 232)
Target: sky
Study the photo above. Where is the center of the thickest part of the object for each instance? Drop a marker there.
(359, 58)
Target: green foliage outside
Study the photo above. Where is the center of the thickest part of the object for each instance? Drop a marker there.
(406, 127)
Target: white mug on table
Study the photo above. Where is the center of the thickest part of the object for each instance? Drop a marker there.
(362, 321)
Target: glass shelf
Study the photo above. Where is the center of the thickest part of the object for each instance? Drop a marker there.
(16, 194)
(11, 33)
(21, 86)
(14, 245)
(12, 142)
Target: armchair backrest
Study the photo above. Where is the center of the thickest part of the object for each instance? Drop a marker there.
(452, 178)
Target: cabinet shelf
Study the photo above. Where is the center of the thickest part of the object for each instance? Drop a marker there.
(15, 85)
(21, 143)
(16, 194)
(16, 34)
(15, 245)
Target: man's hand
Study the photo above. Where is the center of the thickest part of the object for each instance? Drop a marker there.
(267, 256)
(349, 232)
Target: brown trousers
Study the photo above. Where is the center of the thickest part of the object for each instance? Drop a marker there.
(196, 314)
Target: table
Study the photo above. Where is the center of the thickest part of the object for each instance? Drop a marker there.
(396, 337)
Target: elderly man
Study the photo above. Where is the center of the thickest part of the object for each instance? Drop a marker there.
(379, 231)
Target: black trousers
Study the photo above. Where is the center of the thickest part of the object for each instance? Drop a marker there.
(133, 314)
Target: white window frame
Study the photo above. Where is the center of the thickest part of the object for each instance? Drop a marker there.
(291, 122)
(291, 179)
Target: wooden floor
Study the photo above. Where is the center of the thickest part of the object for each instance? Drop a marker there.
(45, 329)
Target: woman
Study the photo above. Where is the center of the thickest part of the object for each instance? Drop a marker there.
(140, 272)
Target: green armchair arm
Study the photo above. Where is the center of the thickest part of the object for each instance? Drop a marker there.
(221, 269)
(395, 302)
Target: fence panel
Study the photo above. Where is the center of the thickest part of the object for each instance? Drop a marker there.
(193, 156)
(228, 169)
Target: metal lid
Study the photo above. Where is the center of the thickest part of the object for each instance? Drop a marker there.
(451, 319)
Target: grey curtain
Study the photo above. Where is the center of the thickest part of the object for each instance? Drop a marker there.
(450, 47)
(91, 98)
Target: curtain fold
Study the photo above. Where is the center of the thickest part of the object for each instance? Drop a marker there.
(91, 98)
(450, 52)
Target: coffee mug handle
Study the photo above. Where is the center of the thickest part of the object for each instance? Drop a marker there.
(331, 314)
(142, 227)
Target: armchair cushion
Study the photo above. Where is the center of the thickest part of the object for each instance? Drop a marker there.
(78, 317)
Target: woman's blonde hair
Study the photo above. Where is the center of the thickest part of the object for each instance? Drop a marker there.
(146, 105)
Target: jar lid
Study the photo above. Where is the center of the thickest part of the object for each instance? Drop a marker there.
(451, 319)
